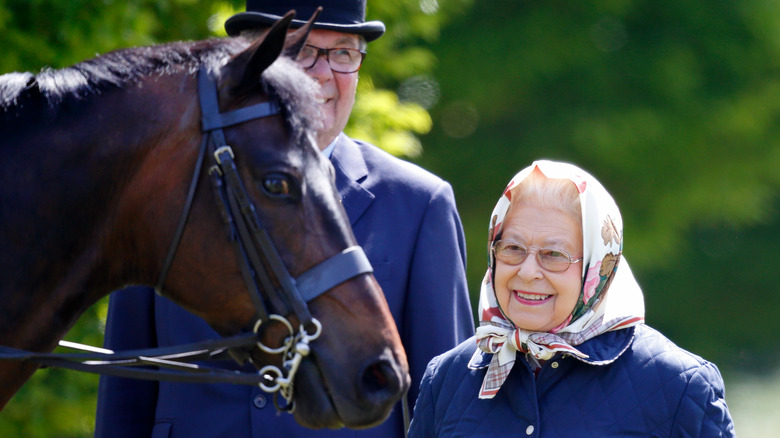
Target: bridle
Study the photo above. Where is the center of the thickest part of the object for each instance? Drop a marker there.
(257, 256)
(261, 268)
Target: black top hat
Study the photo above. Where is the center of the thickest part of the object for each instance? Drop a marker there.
(347, 16)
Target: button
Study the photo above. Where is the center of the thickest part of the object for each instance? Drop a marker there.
(259, 401)
(554, 364)
(529, 430)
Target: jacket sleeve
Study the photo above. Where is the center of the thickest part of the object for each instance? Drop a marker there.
(703, 411)
(126, 407)
(437, 314)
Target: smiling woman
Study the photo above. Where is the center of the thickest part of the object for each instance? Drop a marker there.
(562, 348)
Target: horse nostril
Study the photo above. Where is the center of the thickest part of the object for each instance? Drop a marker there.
(374, 378)
(380, 379)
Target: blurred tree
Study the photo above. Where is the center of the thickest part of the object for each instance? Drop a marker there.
(57, 402)
(58, 33)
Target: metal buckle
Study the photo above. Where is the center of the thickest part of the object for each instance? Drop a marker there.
(221, 150)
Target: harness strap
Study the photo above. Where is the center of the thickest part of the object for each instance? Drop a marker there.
(173, 362)
(211, 119)
(241, 255)
(242, 216)
(183, 219)
(247, 226)
(215, 120)
(332, 272)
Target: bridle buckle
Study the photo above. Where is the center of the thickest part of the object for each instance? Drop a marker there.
(222, 150)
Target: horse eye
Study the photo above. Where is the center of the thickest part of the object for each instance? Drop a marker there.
(276, 185)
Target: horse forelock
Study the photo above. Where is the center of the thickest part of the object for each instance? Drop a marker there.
(296, 91)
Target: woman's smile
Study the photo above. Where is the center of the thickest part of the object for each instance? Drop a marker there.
(531, 298)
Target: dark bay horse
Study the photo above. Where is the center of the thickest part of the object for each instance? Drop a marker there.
(97, 160)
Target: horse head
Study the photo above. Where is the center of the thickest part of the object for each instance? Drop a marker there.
(357, 367)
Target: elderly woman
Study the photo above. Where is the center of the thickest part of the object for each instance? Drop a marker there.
(562, 349)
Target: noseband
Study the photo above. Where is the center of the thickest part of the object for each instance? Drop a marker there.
(258, 259)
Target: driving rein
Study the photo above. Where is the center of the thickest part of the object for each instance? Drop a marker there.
(259, 262)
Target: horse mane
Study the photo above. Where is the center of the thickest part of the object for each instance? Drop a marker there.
(24, 93)
(114, 69)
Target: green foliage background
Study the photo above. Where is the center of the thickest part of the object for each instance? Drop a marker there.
(673, 104)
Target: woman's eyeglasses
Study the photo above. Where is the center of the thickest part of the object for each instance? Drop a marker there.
(341, 60)
(514, 253)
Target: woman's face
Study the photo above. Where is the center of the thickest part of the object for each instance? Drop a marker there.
(533, 298)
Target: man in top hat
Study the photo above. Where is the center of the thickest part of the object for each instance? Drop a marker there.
(403, 216)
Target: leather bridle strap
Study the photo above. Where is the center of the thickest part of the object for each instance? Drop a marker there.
(174, 363)
(211, 123)
(329, 273)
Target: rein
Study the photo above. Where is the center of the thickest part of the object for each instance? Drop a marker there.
(259, 261)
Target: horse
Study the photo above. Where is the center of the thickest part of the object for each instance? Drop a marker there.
(97, 171)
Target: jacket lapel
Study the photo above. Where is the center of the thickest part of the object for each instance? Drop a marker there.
(351, 170)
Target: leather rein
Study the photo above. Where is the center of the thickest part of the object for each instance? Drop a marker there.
(260, 265)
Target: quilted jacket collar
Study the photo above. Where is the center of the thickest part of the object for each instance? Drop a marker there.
(607, 347)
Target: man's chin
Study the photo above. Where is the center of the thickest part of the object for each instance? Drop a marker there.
(324, 139)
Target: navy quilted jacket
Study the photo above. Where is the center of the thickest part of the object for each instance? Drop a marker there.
(635, 383)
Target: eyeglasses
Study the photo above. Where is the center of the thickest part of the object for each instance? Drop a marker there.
(514, 253)
(341, 60)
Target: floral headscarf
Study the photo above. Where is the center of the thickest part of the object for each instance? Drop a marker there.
(596, 311)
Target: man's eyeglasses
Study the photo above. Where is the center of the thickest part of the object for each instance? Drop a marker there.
(341, 60)
(514, 253)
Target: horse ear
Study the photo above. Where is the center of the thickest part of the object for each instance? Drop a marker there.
(297, 39)
(253, 61)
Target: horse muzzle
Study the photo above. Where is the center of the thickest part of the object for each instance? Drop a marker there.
(359, 396)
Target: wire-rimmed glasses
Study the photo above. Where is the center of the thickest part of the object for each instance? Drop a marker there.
(514, 253)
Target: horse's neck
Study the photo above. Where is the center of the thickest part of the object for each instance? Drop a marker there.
(65, 222)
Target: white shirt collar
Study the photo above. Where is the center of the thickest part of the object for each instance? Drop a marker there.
(328, 151)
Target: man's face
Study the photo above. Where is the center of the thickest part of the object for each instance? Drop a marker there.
(337, 90)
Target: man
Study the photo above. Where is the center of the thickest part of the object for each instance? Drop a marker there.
(403, 216)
